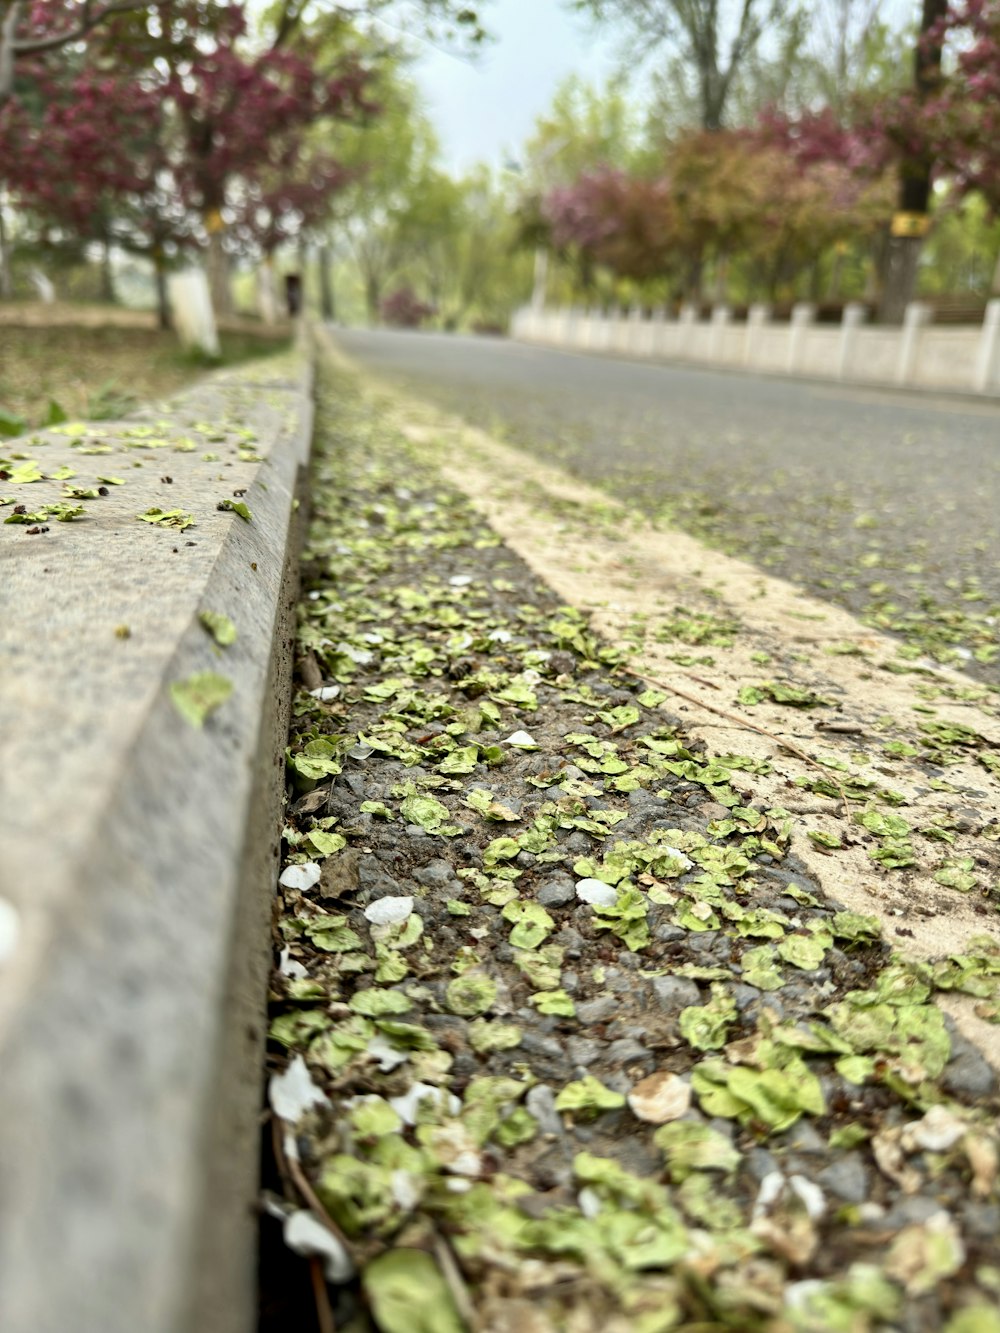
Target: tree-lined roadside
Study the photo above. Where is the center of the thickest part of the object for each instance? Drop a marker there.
(569, 1037)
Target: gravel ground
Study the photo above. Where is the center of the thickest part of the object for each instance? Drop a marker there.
(886, 503)
(564, 1038)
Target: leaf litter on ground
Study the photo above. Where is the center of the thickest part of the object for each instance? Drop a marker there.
(707, 1096)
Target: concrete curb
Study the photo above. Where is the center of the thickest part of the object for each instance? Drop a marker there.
(138, 859)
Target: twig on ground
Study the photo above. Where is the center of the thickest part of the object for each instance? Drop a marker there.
(324, 1311)
(452, 1275)
(309, 672)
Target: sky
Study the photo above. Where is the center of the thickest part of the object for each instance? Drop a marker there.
(484, 109)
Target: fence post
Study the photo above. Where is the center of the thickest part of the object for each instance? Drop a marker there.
(917, 317)
(757, 316)
(803, 314)
(987, 373)
(854, 316)
(721, 316)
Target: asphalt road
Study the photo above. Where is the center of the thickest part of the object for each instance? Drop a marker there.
(885, 502)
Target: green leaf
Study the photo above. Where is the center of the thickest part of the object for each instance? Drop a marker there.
(958, 875)
(689, 1147)
(407, 1294)
(803, 951)
(221, 628)
(373, 1117)
(236, 507)
(821, 839)
(705, 1026)
(377, 1003)
(332, 934)
(486, 804)
(10, 425)
(587, 1094)
(167, 518)
(460, 761)
(759, 969)
(378, 808)
(470, 994)
(327, 844)
(53, 416)
(532, 923)
(554, 1002)
(200, 695)
(485, 1036)
(856, 927)
(429, 814)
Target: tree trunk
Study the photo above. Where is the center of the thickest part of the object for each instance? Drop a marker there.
(906, 238)
(6, 275)
(107, 275)
(217, 271)
(163, 315)
(836, 272)
(995, 284)
(373, 293)
(327, 307)
(267, 294)
(901, 263)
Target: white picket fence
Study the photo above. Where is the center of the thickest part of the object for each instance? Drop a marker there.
(919, 354)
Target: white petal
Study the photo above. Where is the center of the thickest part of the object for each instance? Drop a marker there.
(388, 911)
(810, 1194)
(300, 877)
(288, 967)
(305, 1235)
(10, 929)
(460, 580)
(589, 1202)
(678, 855)
(292, 1093)
(405, 1190)
(408, 1106)
(359, 656)
(596, 892)
(325, 693)
(522, 740)
(388, 1056)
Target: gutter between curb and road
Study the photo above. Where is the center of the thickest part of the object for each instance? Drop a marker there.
(138, 859)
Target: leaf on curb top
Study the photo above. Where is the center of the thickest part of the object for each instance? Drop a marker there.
(236, 507)
(200, 695)
(167, 518)
(221, 628)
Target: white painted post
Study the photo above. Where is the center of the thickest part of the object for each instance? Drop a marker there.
(854, 316)
(541, 278)
(42, 285)
(757, 317)
(689, 314)
(633, 330)
(721, 316)
(589, 326)
(191, 304)
(267, 292)
(917, 317)
(987, 373)
(803, 315)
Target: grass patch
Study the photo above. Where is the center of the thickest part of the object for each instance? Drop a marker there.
(100, 373)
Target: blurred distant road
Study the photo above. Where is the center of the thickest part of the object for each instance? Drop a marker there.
(884, 501)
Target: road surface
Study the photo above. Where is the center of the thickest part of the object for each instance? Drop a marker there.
(887, 503)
